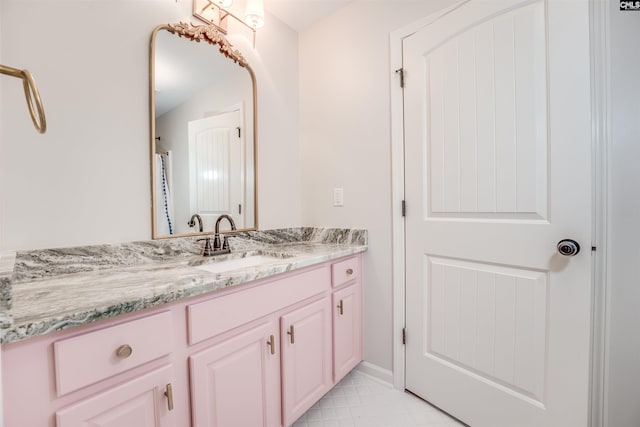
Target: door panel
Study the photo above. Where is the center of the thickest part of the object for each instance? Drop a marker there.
(139, 402)
(486, 115)
(497, 172)
(236, 382)
(490, 320)
(306, 357)
(347, 330)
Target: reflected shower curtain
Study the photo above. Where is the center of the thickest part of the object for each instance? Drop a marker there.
(164, 201)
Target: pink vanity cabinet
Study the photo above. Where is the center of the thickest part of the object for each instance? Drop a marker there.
(256, 354)
(347, 315)
(137, 402)
(236, 382)
(306, 357)
(113, 372)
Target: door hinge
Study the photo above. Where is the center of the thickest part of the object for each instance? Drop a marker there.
(404, 335)
(400, 71)
(404, 208)
(238, 129)
(239, 209)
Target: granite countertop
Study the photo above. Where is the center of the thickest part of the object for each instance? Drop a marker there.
(47, 290)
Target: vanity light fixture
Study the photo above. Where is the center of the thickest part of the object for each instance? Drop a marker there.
(214, 12)
(254, 16)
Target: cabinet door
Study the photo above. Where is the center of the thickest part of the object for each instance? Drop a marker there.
(236, 383)
(347, 330)
(306, 357)
(140, 402)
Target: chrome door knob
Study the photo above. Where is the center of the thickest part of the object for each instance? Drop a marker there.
(568, 247)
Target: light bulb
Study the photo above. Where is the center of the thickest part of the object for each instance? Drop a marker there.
(254, 15)
(223, 3)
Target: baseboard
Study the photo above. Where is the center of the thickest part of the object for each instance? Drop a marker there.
(383, 375)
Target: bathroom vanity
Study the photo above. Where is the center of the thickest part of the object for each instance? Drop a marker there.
(254, 339)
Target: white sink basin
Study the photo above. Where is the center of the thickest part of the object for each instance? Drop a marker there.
(237, 263)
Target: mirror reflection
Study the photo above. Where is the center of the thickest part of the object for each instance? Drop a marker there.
(203, 139)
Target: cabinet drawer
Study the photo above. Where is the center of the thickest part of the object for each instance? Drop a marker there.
(215, 316)
(94, 356)
(345, 271)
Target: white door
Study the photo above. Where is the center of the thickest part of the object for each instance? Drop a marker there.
(498, 170)
(216, 184)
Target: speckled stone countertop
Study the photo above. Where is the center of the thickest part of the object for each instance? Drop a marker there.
(47, 290)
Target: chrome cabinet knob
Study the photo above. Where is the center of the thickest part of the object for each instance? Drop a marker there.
(568, 247)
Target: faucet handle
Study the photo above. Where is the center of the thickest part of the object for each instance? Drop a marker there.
(216, 242)
(207, 250)
(225, 243)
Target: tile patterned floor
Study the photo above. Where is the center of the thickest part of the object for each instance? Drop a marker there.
(361, 401)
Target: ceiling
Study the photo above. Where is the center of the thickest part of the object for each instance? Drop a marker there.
(301, 14)
(183, 69)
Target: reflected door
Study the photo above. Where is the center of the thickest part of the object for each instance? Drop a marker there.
(497, 172)
(216, 184)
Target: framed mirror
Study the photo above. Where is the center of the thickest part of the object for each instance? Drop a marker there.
(203, 132)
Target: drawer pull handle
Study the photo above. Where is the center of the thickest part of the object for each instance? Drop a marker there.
(349, 271)
(272, 344)
(291, 333)
(124, 351)
(340, 308)
(169, 393)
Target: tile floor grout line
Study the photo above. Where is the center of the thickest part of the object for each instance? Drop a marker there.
(362, 401)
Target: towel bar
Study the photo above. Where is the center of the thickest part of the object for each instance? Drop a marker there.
(31, 93)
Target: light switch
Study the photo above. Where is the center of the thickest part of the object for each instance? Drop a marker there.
(338, 197)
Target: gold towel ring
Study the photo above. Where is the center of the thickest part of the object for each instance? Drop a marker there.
(31, 93)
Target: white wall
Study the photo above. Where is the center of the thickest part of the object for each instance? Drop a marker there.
(623, 351)
(1, 144)
(87, 179)
(345, 141)
(1, 210)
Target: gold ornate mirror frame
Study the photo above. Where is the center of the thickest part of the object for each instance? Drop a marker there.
(208, 34)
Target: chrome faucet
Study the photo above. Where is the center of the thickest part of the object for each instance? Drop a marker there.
(192, 221)
(224, 247)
